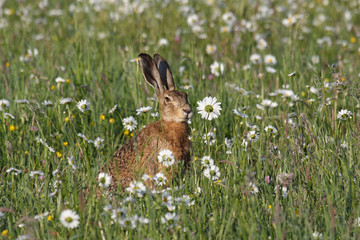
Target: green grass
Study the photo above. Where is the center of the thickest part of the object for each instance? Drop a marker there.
(323, 187)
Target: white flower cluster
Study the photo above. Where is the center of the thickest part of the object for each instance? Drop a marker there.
(211, 171)
(40, 140)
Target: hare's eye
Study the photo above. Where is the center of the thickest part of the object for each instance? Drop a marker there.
(167, 99)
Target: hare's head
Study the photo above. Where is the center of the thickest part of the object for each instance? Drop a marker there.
(174, 104)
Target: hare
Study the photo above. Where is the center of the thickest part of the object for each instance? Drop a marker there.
(139, 154)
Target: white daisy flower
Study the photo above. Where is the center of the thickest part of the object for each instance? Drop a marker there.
(104, 180)
(199, 31)
(47, 103)
(209, 108)
(71, 161)
(314, 90)
(41, 216)
(118, 214)
(253, 136)
(317, 235)
(217, 68)
(212, 172)
(32, 52)
(239, 113)
(36, 173)
(166, 158)
(193, 19)
(344, 115)
(207, 161)
(270, 70)
(69, 219)
(286, 93)
(163, 42)
(270, 60)
(60, 80)
(156, 115)
(22, 101)
(244, 144)
(160, 179)
(255, 58)
(113, 109)
(137, 187)
(24, 236)
(315, 59)
(186, 87)
(14, 171)
(185, 199)
(65, 100)
(130, 123)
(167, 200)
(197, 191)
(209, 138)
(134, 60)
(98, 142)
(357, 222)
(211, 49)
(246, 67)
(128, 222)
(290, 20)
(84, 137)
(143, 110)
(83, 105)
(56, 173)
(344, 144)
(146, 177)
(143, 220)
(170, 219)
(8, 115)
(266, 103)
(4, 104)
(253, 188)
(228, 142)
(262, 44)
(271, 129)
(229, 18)
(57, 184)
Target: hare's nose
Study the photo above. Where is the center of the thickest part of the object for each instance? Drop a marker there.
(187, 110)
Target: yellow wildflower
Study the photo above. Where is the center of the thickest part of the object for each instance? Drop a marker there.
(58, 154)
(5, 232)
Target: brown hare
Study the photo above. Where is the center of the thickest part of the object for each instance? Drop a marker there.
(139, 154)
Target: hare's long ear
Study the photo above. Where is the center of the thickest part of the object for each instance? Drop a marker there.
(151, 72)
(165, 72)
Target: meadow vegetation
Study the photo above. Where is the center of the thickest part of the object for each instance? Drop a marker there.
(275, 146)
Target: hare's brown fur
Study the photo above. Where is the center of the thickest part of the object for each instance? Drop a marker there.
(139, 155)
